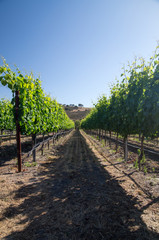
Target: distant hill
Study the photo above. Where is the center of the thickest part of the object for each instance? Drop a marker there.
(76, 113)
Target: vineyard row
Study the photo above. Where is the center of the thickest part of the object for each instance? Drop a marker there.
(133, 106)
(30, 111)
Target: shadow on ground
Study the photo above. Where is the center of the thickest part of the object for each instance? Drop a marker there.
(76, 198)
(9, 151)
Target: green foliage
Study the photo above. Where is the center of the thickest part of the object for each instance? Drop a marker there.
(77, 124)
(6, 115)
(38, 112)
(133, 107)
(30, 164)
(136, 164)
(143, 160)
(145, 169)
(138, 152)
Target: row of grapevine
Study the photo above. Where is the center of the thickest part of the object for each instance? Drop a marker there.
(6, 115)
(133, 106)
(31, 110)
(38, 113)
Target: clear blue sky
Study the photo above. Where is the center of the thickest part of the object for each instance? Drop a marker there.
(77, 46)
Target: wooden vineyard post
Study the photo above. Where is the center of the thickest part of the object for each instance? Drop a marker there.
(48, 144)
(110, 136)
(57, 137)
(33, 145)
(126, 148)
(105, 137)
(1, 136)
(117, 142)
(10, 136)
(102, 133)
(42, 149)
(18, 131)
(53, 138)
(99, 134)
(142, 152)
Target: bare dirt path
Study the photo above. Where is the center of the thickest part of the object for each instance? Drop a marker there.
(70, 196)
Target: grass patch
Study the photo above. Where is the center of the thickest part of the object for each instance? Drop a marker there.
(28, 164)
(103, 143)
(120, 159)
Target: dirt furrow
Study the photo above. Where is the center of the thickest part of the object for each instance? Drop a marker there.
(73, 197)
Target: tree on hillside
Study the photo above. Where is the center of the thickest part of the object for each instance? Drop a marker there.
(80, 105)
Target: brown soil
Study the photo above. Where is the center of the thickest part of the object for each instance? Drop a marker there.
(149, 165)
(78, 190)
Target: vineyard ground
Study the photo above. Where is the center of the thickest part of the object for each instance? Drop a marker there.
(151, 152)
(8, 151)
(77, 190)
